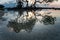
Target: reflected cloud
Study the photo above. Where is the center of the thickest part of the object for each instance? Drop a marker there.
(1, 14)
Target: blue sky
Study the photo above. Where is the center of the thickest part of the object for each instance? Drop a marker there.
(7, 1)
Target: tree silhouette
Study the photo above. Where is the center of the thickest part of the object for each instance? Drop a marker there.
(19, 4)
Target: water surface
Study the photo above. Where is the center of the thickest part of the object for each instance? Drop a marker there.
(30, 25)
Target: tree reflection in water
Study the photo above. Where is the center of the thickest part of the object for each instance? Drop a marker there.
(24, 25)
(17, 27)
(48, 20)
(27, 21)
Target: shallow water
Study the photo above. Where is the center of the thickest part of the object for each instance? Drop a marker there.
(30, 25)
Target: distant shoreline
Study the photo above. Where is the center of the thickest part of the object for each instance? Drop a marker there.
(31, 8)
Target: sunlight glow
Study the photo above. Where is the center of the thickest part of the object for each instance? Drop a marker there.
(30, 15)
(31, 1)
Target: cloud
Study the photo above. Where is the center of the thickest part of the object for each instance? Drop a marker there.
(7, 1)
(55, 4)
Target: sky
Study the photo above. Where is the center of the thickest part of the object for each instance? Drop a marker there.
(7, 1)
(53, 4)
